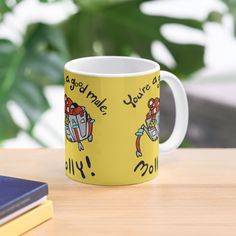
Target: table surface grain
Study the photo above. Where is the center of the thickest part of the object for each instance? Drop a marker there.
(194, 194)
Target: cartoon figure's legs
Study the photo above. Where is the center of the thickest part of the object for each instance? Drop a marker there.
(139, 134)
(90, 128)
(80, 146)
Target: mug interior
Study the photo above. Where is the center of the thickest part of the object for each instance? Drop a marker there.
(112, 66)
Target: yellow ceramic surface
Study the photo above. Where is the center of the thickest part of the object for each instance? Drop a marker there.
(112, 128)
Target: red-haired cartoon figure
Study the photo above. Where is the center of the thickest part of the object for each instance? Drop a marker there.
(78, 123)
(152, 124)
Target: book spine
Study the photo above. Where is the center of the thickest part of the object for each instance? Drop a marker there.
(29, 220)
(25, 200)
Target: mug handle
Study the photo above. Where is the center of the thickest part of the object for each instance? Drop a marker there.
(181, 112)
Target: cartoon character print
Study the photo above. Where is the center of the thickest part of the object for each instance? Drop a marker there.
(78, 123)
(152, 124)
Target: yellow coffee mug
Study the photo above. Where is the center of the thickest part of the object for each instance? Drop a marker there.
(112, 115)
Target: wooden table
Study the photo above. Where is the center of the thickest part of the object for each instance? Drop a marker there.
(194, 194)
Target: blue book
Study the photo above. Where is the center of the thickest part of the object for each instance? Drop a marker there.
(16, 194)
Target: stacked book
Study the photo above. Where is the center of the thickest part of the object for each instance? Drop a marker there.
(23, 205)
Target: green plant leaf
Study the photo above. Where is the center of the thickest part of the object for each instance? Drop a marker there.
(91, 5)
(232, 10)
(7, 6)
(8, 128)
(122, 29)
(4, 7)
(25, 70)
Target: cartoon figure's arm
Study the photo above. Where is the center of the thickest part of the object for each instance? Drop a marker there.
(139, 134)
(90, 128)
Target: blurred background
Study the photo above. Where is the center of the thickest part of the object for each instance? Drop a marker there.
(195, 39)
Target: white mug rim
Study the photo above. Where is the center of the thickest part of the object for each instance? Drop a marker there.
(72, 65)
